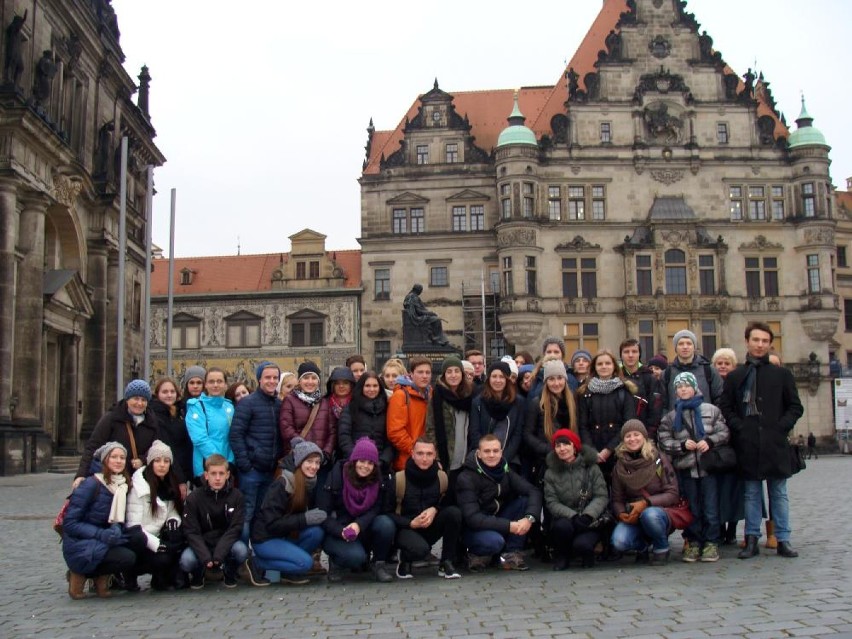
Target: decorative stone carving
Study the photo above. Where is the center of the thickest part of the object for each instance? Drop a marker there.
(579, 243)
(773, 304)
(675, 238)
(760, 243)
(821, 329)
(819, 236)
(660, 47)
(677, 303)
(516, 237)
(559, 126)
(66, 190)
(667, 176)
(662, 81)
(662, 124)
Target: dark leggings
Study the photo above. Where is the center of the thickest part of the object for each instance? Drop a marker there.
(118, 559)
(568, 541)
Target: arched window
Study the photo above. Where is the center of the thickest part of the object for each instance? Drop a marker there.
(675, 272)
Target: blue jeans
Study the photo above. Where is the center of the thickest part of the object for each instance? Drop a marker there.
(237, 555)
(378, 538)
(703, 496)
(779, 507)
(490, 542)
(653, 528)
(253, 486)
(286, 556)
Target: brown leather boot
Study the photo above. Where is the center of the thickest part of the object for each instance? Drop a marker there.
(76, 584)
(102, 586)
(771, 539)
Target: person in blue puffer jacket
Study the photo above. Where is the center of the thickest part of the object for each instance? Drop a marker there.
(256, 441)
(208, 421)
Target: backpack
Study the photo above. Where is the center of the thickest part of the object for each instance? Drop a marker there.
(399, 477)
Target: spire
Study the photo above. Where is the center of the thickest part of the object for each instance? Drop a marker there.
(516, 118)
(806, 134)
(804, 119)
(144, 86)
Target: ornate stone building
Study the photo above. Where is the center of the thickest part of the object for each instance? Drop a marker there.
(650, 189)
(235, 311)
(65, 103)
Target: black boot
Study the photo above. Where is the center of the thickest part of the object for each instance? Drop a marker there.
(561, 562)
(786, 550)
(751, 548)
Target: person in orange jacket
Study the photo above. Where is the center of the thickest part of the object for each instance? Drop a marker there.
(407, 409)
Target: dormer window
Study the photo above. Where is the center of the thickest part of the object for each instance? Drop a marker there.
(186, 276)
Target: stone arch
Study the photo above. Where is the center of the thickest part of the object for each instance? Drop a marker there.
(64, 242)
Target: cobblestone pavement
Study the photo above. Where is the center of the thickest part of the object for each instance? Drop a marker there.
(764, 597)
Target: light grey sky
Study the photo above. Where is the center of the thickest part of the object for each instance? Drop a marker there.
(262, 108)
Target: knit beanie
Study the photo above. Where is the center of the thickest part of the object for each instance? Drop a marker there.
(632, 425)
(659, 361)
(137, 388)
(193, 371)
(467, 367)
(513, 365)
(303, 449)
(103, 452)
(449, 362)
(159, 450)
(282, 378)
(308, 367)
(686, 378)
(554, 368)
(554, 340)
(263, 366)
(687, 334)
(523, 369)
(501, 366)
(570, 435)
(580, 353)
(365, 450)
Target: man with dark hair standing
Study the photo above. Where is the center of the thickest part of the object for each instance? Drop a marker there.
(761, 405)
(630, 354)
(478, 360)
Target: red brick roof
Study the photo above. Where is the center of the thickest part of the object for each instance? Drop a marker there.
(487, 110)
(239, 273)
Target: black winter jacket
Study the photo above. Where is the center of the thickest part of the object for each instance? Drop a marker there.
(112, 427)
(483, 423)
(254, 435)
(602, 416)
(173, 432)
(364, 417)
(213, 521)
(330, 499)
(422, 491)
(273, 519)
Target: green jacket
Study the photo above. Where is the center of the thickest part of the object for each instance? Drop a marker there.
(563, 484)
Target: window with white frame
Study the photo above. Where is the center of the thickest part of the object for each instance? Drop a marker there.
(554, 203)
(422, 154)
(439, 276)
(452, 152)
(813, 274)
(644, 275)
(675, 272)
(761, 275)
(808, 200)
(382, 279)
(576, 203)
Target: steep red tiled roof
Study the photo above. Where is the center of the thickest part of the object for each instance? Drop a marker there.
(239, 273)
(844, 199)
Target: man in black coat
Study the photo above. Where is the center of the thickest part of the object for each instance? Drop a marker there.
(499, 507)
(761, 405)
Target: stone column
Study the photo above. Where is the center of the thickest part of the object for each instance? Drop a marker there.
(8, 234)
(29, 313)
(68, 442)
(94, 355)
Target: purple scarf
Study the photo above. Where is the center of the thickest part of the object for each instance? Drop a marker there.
(358, 500)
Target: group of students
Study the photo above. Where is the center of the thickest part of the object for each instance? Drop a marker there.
(582, 459)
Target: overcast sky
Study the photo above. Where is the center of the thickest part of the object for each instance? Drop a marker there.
(261, 108)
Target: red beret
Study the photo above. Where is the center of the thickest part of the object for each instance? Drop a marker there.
(570, 435)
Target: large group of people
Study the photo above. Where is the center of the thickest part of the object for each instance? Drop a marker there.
(577, 457)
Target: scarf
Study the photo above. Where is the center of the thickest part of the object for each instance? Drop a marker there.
(418, 477)
(604, 386)
(442, 395)
(358, 499)
(694, 405)
(118, 487)
(339, 403)
(636, 472)
(309, 398)
(497, 473)
(496, 409)
(749, 387)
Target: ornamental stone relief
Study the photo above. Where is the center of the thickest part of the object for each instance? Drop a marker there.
(516, 237)
(667, 176)
(819, 236)
(66, 190)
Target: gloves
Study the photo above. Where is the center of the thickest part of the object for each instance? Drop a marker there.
(637, 506)
(582, 522)
(112, 536)
(315, 516)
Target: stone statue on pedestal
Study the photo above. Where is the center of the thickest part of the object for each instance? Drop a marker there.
(420, 326)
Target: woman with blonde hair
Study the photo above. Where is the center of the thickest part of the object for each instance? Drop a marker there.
(731, 498)
(392, 369)
(724, 361)
(286, 383)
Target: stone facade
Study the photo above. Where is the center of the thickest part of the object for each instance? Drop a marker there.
(234, 312)
(65, 104)
(659, 193)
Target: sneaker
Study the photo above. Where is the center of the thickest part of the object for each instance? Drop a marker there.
(710, 552)
(229, 579)
(447, 570)
(691, 554)
(478, 563)
(253, 574)
(294, 580)
(196, 581)
(380, 571)
(403, 570)
(659, 558)
(513, 561)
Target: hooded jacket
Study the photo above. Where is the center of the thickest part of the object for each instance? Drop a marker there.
(564, 483)
(112, 427)
(254, 435)
(481, 498)
(208, 421)
(87, 515)
(406, 419)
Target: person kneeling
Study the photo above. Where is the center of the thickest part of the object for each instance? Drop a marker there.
(354, 502)
(643, 485)
(575, 495)
(213, 520)
(420, 517)
(288, 528)
(499, 507)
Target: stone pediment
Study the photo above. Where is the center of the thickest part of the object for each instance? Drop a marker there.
(467, 194)
(760, 243)
(408, 198)
(579, 243)
(306, 314)
(242, 316)
(65, 289)
(307, 235)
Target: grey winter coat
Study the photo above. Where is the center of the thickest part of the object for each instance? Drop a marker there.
(715, 432)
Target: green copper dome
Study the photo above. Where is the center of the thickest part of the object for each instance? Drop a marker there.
(516, 132)
(805, 134)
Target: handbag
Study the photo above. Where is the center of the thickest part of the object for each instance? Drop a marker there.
(605, 519)
(60, 517)
(171, 536)
(797, 458)
(680, 516)
(719, 459)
